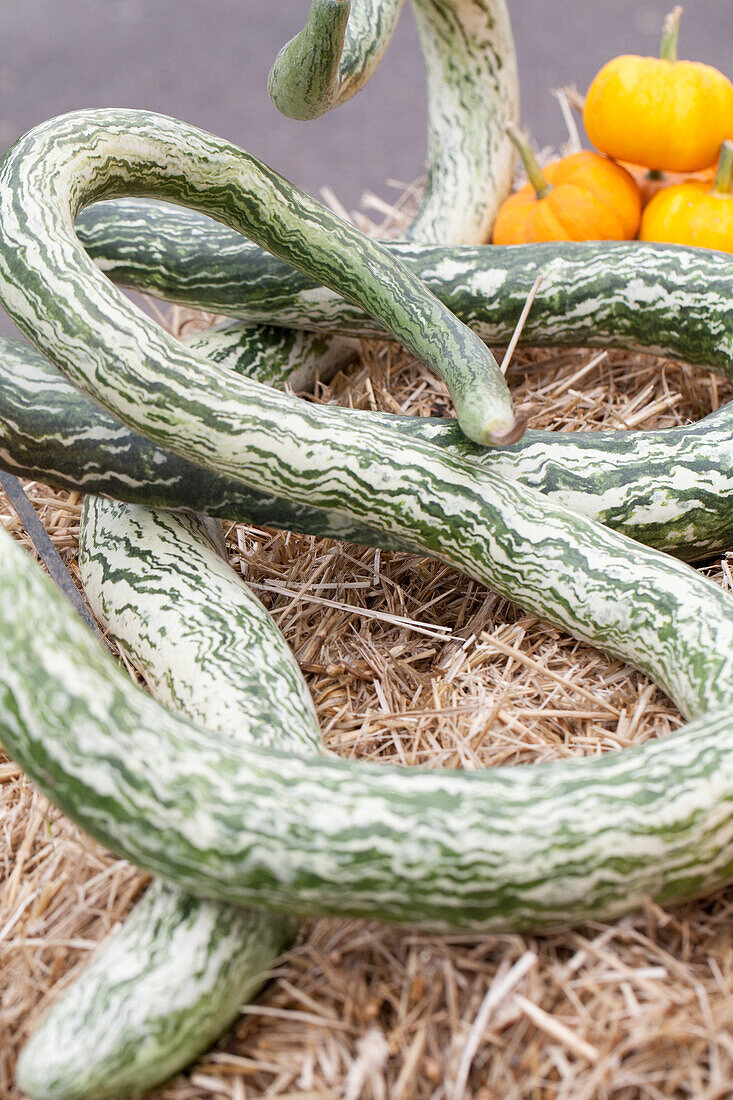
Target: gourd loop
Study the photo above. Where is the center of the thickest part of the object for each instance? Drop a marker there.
(472, 87)
(181, 164)
(517, 847)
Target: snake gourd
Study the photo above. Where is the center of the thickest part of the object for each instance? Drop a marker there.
(204, 922)
(275, 356)
(280, 348)
(509, 848)
(156, 930)
(472, 88)
(516, 847)
(670, 488)
(519, 847)
(333, 56)
(84, 156)
(174, 977)
(662, 299)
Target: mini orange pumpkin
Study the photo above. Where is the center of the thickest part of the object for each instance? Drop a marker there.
(650, 183)
(583, 197)
(693, 213)
(666, 114)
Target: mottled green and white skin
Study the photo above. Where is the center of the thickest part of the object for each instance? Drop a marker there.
(671, 489)
(510, 848)
(162, 586)
(334, 55)
(662, 299)
(473, 93)
(472, 87)
(156, 995)
(166, 985)
(172, 919)
(48, 176)
(513, 847)
(275, 356)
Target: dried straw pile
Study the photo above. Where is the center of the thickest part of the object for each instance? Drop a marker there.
(411, 663)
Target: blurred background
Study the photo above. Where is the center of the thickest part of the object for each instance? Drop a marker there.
(206, 61)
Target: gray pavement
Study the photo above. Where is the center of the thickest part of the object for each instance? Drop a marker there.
(206, 61)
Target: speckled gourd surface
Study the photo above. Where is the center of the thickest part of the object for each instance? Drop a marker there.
(176, 974)
(333, 56)
(669, 488)
(683, 473)
(472, 90)
(510, 848)
(273, 356)
(62, 165)
(663, 299)
(166, 985)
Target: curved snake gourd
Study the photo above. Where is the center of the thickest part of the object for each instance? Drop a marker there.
(334, 55)
(671, 489)
(275, 356)
(472, 86)
(160, 898)
(517, 847)
(333, 353)
(175, 976)
(46, 173)
(662, 299)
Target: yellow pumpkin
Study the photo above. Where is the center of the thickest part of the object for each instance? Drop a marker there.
(695, 213)
(583, 197)
(665, 114)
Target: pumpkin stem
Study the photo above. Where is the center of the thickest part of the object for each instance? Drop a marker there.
(724, 177)
(670, 34)
(654, 174)
(536, 178)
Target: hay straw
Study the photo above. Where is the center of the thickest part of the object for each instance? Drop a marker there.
(638, 1008)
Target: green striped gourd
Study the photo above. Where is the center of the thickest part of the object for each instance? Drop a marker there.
(227, 183)
(671, 489)
(520, 847)
(275, 356)
(667, 488)
(174, 977)
(662, 299)
(509, 848)
(333, 56)
(225, 354)
(472, 87)
(188, 965)
(278, 348)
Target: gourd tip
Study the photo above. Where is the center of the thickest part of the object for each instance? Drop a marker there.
(505, 432)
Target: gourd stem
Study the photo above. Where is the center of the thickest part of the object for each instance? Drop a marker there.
(670, 34)
(536, 177)
(724, 177)
(655, 174)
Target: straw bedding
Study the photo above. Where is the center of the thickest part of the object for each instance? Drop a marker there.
(411, 663)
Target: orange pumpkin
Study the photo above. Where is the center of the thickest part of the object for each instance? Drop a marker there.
(651, 183)
(583, 197)
(666, 114)
(695, 213)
